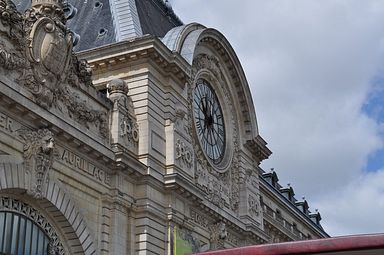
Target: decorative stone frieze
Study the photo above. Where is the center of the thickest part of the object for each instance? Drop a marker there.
(39, 153)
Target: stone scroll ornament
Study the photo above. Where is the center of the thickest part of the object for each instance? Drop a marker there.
(39, 153)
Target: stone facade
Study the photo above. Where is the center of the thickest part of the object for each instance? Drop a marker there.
(103, 155)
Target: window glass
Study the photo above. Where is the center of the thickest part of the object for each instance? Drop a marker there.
(21, 236)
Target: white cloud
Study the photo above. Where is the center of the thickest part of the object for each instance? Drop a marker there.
(357, 207)
(310, 65)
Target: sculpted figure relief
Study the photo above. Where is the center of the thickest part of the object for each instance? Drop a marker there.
(218, 235)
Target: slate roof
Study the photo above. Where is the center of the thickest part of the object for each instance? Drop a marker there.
(101, 22)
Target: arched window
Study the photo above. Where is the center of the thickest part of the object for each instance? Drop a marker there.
(20, 235)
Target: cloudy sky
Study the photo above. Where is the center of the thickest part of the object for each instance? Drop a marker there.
(316, 71)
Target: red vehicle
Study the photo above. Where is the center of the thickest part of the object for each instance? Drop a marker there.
(361, 244)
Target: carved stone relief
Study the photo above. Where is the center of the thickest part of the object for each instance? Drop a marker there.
(130, 130)
(14, 205)
(125, 130)
(37, 49)
(11, 21)
(200, 219)
(179, 124)
(249, 177)
(39, 153)
(222, 188)
(254, 206)
(183, 153)
(219, 234)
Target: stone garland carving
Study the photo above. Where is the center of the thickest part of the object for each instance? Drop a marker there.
(43, 57)
(80, 112)
(229, 178)
(218, 232)
(10, 60)
(12, 20)
(39, 153)
(183, 153)
(55, 246)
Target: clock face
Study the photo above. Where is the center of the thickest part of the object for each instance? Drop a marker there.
(209, 121)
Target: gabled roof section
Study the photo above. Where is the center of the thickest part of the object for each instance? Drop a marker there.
(101, 22)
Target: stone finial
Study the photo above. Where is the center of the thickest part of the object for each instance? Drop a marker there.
(117, 86)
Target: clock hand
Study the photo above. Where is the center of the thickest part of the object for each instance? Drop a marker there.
(204, 106)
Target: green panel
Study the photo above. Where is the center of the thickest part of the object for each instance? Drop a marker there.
(181, 247)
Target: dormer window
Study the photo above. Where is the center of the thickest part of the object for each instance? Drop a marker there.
(271, 178)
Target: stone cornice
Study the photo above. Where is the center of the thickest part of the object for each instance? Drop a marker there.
(186, 189)
(67, 134)
(149, 47)
(259, 148)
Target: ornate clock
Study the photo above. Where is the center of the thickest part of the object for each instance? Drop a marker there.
(209, 121)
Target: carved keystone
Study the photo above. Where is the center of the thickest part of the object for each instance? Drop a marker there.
(39, 152)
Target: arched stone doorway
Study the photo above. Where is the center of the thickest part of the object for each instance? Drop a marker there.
(56, 224)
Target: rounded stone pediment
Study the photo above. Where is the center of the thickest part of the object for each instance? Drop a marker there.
(194, 39)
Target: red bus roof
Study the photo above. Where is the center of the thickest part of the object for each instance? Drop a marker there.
(359, 244)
